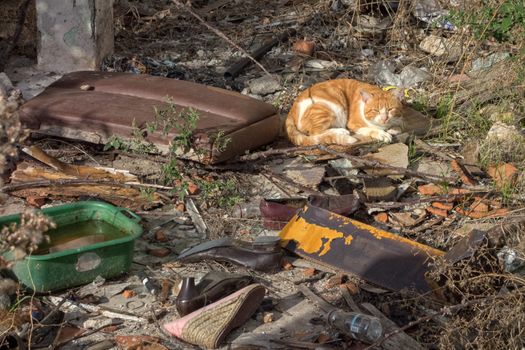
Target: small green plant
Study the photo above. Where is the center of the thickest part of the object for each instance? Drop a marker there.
(502, 20)
(223, 194)
(220, 141)
(147, 193)
(413, 155)
(136, 144)
(115, 142)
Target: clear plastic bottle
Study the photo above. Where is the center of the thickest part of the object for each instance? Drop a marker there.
(362, 327)
(246, 210)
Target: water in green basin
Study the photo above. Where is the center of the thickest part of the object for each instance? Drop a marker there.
(78, 235)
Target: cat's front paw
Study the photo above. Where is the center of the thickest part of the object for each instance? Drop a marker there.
(394, 131)
(382, 136)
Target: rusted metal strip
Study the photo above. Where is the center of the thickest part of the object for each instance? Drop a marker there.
(375, 255)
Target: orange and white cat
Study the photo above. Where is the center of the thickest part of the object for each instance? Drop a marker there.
(327, 112)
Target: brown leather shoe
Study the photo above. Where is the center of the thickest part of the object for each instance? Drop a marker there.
(213, 286)
(263, 254)
(277, 212)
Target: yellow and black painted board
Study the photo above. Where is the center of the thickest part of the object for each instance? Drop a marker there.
(377, 256)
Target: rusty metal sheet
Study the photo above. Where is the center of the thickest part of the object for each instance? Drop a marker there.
(351, 246)
(93, 106)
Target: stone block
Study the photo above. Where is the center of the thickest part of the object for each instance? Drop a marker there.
(74, 35)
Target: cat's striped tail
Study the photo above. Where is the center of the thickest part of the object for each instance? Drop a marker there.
(296, 136)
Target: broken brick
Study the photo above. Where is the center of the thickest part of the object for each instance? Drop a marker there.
(286, 265)
(442, 205)
(159, 252)
(128, 293)
(36, 201)
(128, 342)
(351, 286)
(193, 188)
(323, 338)
(303, 46)
(466, 178)
(110, 329)
(381, 217)
(160, 236)
(430, 189)
(437, 211)
(309, 272)
(334, 281)
(503, 174)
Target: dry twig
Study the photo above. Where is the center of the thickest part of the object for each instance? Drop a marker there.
(220, 34)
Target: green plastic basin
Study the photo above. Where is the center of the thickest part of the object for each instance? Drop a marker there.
(74, 267)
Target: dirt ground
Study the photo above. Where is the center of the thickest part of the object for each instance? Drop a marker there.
(464, 173)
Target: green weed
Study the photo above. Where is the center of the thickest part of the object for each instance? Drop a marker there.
(222, 194)
(500, 20)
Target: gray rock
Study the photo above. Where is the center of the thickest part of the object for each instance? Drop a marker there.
(394, 155)
(435, 168)
(502, 132)
(411, 76)
(383, 74)
(5, 85)
(265, 85)
(489, 61)
(444, 48)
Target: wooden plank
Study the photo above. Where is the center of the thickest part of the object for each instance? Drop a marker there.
(397, 341)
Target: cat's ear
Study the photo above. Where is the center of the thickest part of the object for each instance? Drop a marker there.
(398, 93)
(365, 96)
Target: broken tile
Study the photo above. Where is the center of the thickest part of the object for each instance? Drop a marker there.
(479, 206)
(466, 178)
(503, 174)
(159, 252)
(309, 272)
(438, 212)
(429, 190)
(481, 215)
(381, 217)
(443, 205)
(128, 294)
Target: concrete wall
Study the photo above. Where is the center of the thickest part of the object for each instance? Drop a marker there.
(74, 34)
(8, 18)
